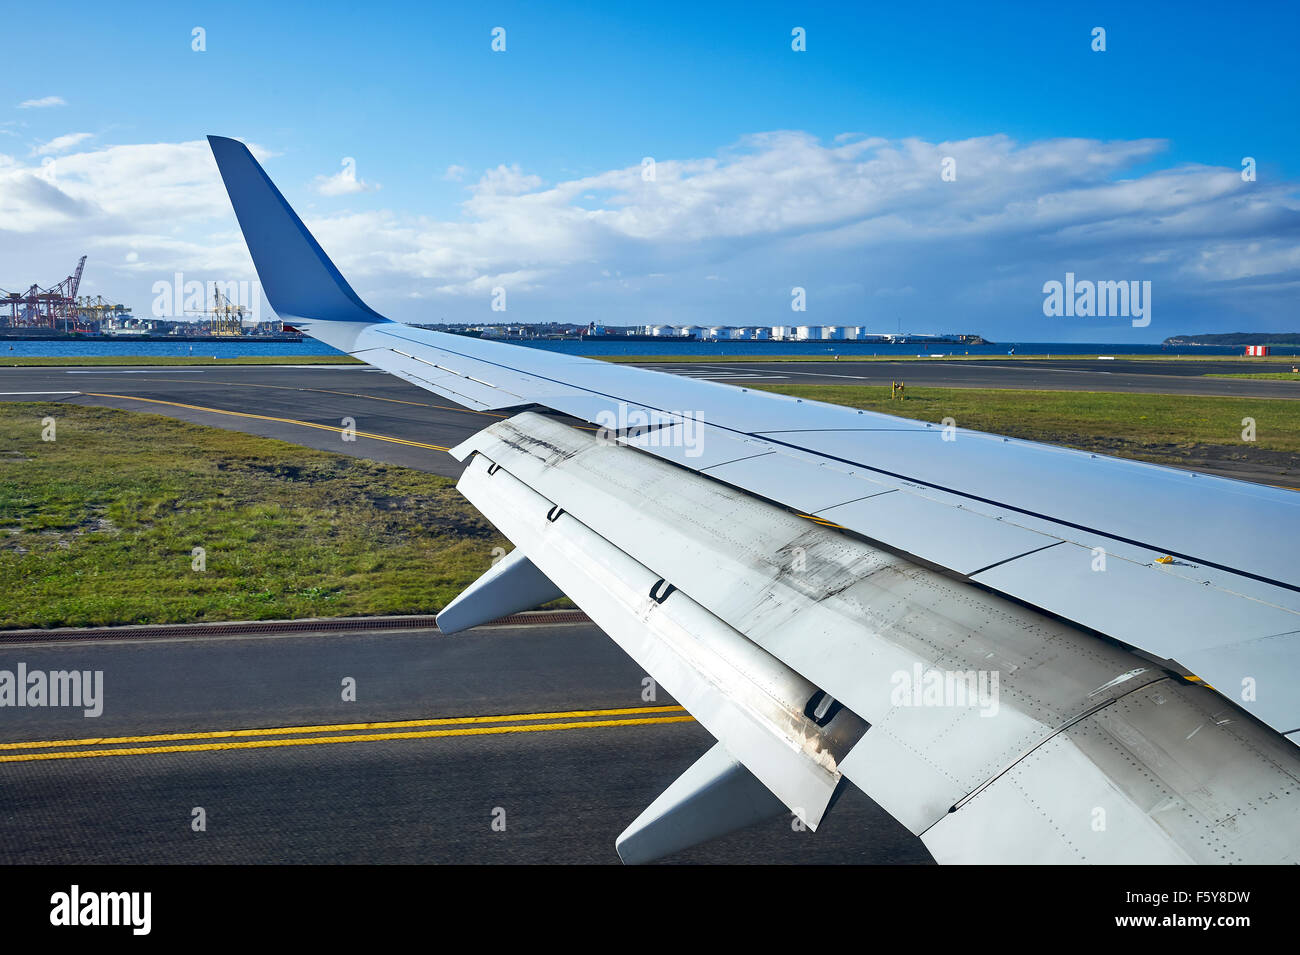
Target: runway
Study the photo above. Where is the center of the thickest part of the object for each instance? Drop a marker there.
(543, 727)
(396, 422)
(1134, 376)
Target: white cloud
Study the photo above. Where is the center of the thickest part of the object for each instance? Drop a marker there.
(865, 224)
(344, 182)
(505, 181)
(62, 143)
(454, 173)
(43, 102)
(140, 212)
(116, 188)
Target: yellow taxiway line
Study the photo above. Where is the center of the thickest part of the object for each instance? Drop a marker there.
(262, 417)
(463, 726)
(330, 391)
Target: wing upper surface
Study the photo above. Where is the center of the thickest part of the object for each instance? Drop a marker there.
(1191, 568)
(1214, 522)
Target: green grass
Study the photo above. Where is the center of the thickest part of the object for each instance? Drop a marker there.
(97, 526)
(1269, 375)
(1084, 419)
(77, 361)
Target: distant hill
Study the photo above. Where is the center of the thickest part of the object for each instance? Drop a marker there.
(1237, 338)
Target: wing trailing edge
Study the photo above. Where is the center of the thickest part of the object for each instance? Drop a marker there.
(994, 733)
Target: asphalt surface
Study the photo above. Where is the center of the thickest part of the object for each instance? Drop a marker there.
(399, 423)
(565, 793)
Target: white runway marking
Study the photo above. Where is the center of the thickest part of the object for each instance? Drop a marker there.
(142, 371)
(40, 392)
(724, 375)
(702, 371)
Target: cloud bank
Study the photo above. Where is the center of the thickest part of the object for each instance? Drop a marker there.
(952, 236)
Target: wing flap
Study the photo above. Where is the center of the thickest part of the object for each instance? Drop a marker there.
(958, 685)
(748, 700)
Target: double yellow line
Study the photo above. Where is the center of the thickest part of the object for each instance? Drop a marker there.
(345, 733)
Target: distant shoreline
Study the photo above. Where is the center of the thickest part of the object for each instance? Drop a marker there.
(1271, 339)
(662, 350)
(127, 339)
(121, 360)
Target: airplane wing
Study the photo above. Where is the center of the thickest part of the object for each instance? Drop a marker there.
(1023, 653)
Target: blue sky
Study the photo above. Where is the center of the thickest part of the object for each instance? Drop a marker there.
(820, 169)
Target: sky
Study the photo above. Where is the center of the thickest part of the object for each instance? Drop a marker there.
(915, 167)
